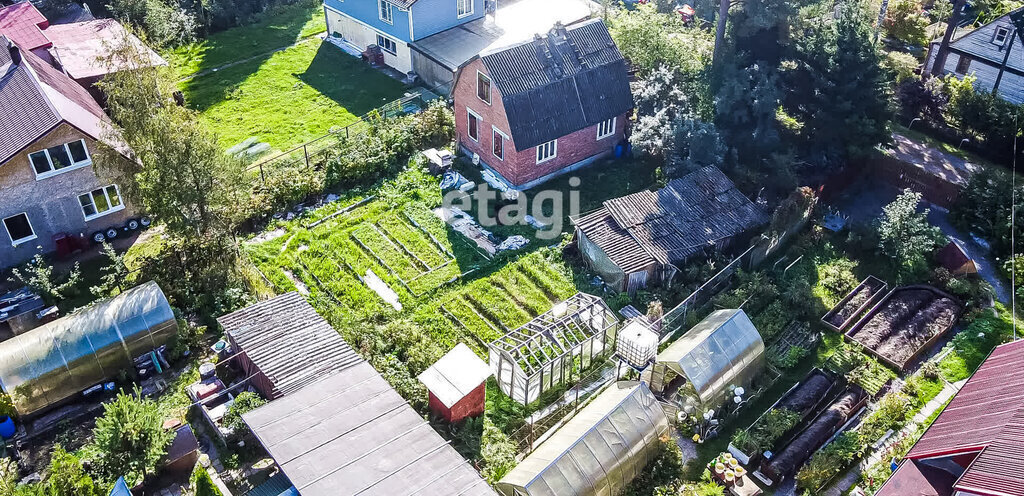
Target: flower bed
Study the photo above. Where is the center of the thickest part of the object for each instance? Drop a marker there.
(905, 323)
(863, 296)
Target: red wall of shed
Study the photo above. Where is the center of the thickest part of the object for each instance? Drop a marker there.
(471, 405)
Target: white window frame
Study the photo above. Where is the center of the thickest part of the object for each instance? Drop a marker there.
(490, 87)
(1001, 30)
(505, 140)
(463, 8)
(479, 121)
(543, 147)
(109, 210)
(610, 123)
(21, 240)
(53, 170)
(381, 39)
(386, 11)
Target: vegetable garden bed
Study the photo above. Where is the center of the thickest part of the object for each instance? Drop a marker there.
(869, 291)
(824, 426)
(905, 323)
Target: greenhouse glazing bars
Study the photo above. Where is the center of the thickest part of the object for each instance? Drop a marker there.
(546, 351)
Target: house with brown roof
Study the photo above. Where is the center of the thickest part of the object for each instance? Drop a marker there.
(78, 49)
(535, 110)
(54, 195)
(644, 236)
(975, 447)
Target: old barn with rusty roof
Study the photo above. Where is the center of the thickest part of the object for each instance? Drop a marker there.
(643, 236)
(975, 447)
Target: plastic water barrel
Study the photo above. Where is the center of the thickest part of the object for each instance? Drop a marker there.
(619, 150)
(7, 427)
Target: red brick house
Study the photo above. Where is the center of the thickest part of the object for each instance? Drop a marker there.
(545, 107)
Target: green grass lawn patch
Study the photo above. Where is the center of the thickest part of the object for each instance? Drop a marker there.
(280, 27)
(290, 97)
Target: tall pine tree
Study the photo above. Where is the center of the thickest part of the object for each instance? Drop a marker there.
(845, 104)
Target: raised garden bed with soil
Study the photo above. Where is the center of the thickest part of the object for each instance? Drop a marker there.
(862, 297)
(825, 425)
(805, 398)
(905, 323)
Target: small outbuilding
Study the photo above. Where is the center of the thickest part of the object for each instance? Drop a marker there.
(955, 259)
(596, 453)
(639, 238)
(283, 344)
(722, 350)
(350, 433)
(553, 347)
(457, 384)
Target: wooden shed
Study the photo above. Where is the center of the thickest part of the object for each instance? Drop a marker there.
(457, 384)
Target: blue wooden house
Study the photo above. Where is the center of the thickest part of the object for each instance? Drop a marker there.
(433, 38)
(393, 25)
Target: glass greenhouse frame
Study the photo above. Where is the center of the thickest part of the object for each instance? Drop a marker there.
(545, 351)
(55, 361)
(596, 453)
(722, 350)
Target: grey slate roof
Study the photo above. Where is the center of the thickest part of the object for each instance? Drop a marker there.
(552, 86)
(979, 44)
(673, 223)
(289, 342)
(351, 434)
(35, 97)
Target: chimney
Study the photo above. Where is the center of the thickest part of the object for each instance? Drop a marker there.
(15, 53)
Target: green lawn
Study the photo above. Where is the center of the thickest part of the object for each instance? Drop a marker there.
(289, 97)
(281, 27)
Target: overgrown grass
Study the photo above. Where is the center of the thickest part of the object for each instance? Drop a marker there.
(280, 27)
(289, 97)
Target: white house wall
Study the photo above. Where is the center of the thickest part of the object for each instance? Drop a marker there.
(360, 36)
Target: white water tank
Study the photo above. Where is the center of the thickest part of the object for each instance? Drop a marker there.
(637, 344)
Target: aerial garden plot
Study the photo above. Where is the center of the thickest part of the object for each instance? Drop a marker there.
(370, 258)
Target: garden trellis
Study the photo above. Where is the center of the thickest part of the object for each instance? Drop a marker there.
(545, 351)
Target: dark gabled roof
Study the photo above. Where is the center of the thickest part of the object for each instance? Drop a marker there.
(555, 85)
(600, 228)
(673, 223)
(979, 44)
(288, 341)
(350, 433)
(35, 98)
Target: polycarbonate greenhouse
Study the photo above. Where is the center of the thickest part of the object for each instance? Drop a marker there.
(596, 453)
(547, 350)
(722, 350)
(55, 361)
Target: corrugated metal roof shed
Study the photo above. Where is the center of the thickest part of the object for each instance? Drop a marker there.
(553, 86)
(688, 215)
(288, 342)
(455, 375)
(351, 434)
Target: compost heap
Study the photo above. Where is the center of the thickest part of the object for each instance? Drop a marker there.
(812, 437)
(906, 322)
(807, 394)
(862, 295)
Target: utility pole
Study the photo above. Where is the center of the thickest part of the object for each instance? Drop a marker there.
(954, 19)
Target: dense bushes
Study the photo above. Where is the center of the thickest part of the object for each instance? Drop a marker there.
(827, 462)
(983, 209)
(385, 147)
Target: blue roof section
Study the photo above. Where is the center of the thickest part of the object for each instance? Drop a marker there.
(120, 488)
(278, 485)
